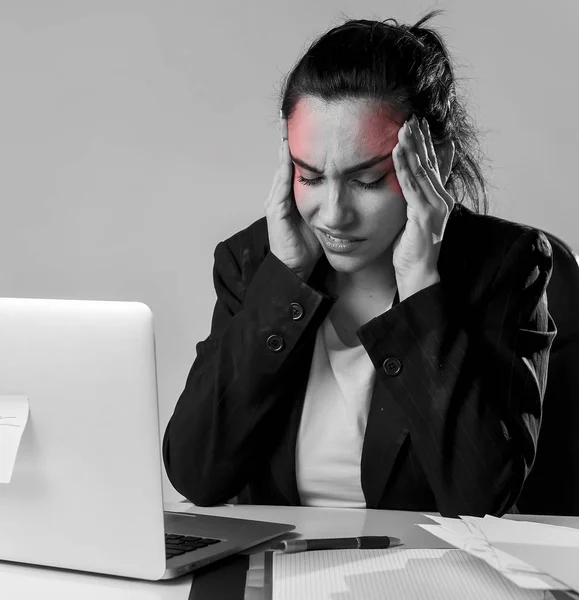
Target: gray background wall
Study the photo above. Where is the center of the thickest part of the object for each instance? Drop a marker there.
(135, 135)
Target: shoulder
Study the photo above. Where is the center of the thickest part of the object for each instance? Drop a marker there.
(466, 224)
(490, 239)
(478, 251)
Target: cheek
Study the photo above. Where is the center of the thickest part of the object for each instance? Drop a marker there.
(298, 189)
(393, 184)
(389, 217)
(301, 198)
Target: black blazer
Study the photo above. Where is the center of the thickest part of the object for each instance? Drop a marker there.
(553, 485)
(454, 430)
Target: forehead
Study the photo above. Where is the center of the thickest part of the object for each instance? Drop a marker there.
(356, 123)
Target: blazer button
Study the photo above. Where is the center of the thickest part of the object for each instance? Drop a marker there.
(275, 342)
(392, 366)
(297, 311)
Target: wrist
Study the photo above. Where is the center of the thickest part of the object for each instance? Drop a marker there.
(417, 281)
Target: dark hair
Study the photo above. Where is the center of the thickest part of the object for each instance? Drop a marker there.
(407, 67)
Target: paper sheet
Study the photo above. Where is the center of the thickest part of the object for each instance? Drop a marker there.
(517, 571)
(551, 549)
(394, 573)
(523, 532)
(558, 561)
(13, 418)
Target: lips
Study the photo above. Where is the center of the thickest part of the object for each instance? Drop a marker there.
(341, 237)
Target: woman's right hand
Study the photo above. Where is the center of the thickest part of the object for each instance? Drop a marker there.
(290, 239)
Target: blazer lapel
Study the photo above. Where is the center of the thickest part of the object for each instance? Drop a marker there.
(283, 463)
(387, 425)
(386, 430)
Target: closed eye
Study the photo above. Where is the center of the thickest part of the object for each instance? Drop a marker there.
(367, 186)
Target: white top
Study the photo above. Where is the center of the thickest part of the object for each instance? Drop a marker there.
(333, 423)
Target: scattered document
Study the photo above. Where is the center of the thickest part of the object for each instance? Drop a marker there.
(13, 418)
(523, 532)
(558, 561)
(551, 549)
(491, 538)
(404, 574)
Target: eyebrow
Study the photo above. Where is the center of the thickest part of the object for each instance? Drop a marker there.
(359, 167)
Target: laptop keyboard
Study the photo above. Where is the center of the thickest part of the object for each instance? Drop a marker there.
(179, 544)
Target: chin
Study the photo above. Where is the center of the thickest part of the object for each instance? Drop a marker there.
(346, 263)
(354, 262)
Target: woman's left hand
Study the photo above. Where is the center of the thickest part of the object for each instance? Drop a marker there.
(428, 206)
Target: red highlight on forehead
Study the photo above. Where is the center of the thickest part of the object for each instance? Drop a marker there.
(369, 128)
(378, 133)
(378, 129)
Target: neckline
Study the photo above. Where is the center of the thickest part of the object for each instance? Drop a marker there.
(332, 338)
(331, 334)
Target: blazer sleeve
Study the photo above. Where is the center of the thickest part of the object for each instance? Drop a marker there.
(230, 414)
(472, 381)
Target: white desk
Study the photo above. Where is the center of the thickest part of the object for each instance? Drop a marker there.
(23, 582)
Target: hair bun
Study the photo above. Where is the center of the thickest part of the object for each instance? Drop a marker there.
(428, 38)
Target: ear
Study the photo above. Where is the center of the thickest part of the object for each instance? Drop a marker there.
(445, 156)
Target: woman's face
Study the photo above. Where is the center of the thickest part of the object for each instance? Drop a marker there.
(326, 141)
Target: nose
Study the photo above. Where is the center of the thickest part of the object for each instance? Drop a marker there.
(335, 211)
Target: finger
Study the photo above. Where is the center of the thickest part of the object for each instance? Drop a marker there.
(286, 165)
(282, 183)
(410, 188)
(283, 128)
(431, 153)
(428, 144)
(418, 141)
(423, 176)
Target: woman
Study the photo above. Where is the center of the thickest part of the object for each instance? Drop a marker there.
(401, 366)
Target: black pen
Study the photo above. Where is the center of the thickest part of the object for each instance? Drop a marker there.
(368, 542)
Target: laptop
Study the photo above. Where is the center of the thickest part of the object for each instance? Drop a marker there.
(86, 489)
